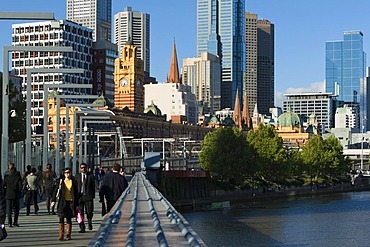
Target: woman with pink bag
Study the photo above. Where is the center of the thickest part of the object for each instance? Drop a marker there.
(66, 196)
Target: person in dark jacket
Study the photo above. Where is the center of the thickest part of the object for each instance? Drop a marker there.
(66, 197)
(49, 184)
(112, 187)
(86, 189)
(2, 204)
(12, 186)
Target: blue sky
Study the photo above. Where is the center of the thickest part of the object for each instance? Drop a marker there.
(301, 29)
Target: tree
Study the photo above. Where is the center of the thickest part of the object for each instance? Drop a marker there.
(271, 155)
(225, 155)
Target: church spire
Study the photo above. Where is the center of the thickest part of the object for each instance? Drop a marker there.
(245, 114)
(236, 117)
(173, 76)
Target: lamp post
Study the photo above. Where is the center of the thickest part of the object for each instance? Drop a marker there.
(5, 121)
(29, 122)
(67, 125)
(46, 90)
(362, 144)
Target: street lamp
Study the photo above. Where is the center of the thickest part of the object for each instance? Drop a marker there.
(5, 120)
(29, 82)
(46, 91)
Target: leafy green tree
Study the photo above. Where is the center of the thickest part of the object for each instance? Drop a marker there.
(226, 156)
(271, 155)
(313, 159)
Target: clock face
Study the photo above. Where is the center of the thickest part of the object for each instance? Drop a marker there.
(138, 82)
(124, 82)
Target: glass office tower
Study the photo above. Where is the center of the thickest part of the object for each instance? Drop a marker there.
(220, 31)
(345, 69)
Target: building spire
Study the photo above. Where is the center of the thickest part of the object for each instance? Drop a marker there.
(173, 76)
(236, 117)
(246, 119)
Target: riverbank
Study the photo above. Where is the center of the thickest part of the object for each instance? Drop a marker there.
(238, 198)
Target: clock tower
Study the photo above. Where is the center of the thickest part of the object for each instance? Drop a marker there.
(129, 79)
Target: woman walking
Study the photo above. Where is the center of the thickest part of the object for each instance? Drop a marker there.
(49, 184)
(66, 195)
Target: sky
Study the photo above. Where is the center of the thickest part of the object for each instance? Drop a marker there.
(301, 29)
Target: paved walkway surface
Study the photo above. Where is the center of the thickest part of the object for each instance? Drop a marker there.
(42, 229)
(152, 227)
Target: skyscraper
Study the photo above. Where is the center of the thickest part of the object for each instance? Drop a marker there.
(135, 26)
(345, 69)
(221, 32)
(52, 33)
(94, 14)
(265, 66)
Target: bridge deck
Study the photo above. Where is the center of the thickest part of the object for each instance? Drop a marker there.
(141, 217)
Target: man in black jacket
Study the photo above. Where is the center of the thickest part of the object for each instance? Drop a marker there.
(86, 189)
(2, 207)
(12, 186)
(114, 184)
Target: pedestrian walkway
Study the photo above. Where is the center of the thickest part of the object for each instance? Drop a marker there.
(42, 229)
(143, 217)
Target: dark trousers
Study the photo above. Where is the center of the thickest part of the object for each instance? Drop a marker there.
(88, 207)
(10, 204)
(32, 196)
(110, 205)
(49, 194)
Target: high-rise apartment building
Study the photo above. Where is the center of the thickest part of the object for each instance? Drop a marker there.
(251, 60)
(203, 74)
(265, 66)
(52, 33)
(221, 31)
(345, 69)
(94, 14)
(134, 26)
(305, 104)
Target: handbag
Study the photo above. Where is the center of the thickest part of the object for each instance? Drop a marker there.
(3, 233)
(79, 216)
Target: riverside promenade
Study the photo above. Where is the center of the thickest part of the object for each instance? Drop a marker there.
(141, 217)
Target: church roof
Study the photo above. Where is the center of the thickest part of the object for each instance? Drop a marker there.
(214, 120)
(228, 121)
(104, 101)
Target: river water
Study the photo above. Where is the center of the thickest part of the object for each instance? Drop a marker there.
(325, 220)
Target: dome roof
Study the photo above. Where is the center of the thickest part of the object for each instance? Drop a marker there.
(214, 120)
(104, 101)
(153, 109)
(289, 119)
(228, 121)
(53, 94)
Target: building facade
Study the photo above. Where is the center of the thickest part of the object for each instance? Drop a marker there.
(94, 14)
(173, 99)
(135, 26)
(265, 65)
(348, 116)
(251, 59)
(52, 33)
(203, 74)
(345, 69)
(103, 68)
(129, 80)
(221, 31)
(305, 104)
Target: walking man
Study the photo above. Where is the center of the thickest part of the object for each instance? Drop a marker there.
(114, 184)
(86, 189)
(12, 186)
(31, 180)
